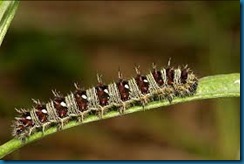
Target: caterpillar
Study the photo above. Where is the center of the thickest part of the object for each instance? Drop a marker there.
(158, 85)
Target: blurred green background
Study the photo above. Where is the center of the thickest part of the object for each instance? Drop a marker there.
(50, 45)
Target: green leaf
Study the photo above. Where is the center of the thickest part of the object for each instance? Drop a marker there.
(7, 12)
(217, 86)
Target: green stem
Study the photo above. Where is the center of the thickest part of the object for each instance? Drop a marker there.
(7, 12)
(217, 86)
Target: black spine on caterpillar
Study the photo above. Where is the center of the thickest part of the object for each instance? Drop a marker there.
(159, 84)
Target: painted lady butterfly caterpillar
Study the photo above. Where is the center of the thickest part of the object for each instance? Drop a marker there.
(159, 84)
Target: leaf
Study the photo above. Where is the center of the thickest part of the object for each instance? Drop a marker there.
(7, 12)
(227, 85)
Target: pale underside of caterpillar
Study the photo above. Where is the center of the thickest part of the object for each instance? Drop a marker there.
(158, 85)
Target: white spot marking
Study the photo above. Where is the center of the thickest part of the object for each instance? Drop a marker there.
(63, 104)
(127, 86)
(44, 111)
(28, 117)
(106, 91)
(84, 97)
(145, 81)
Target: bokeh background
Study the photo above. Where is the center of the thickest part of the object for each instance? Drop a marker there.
(50, 45)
